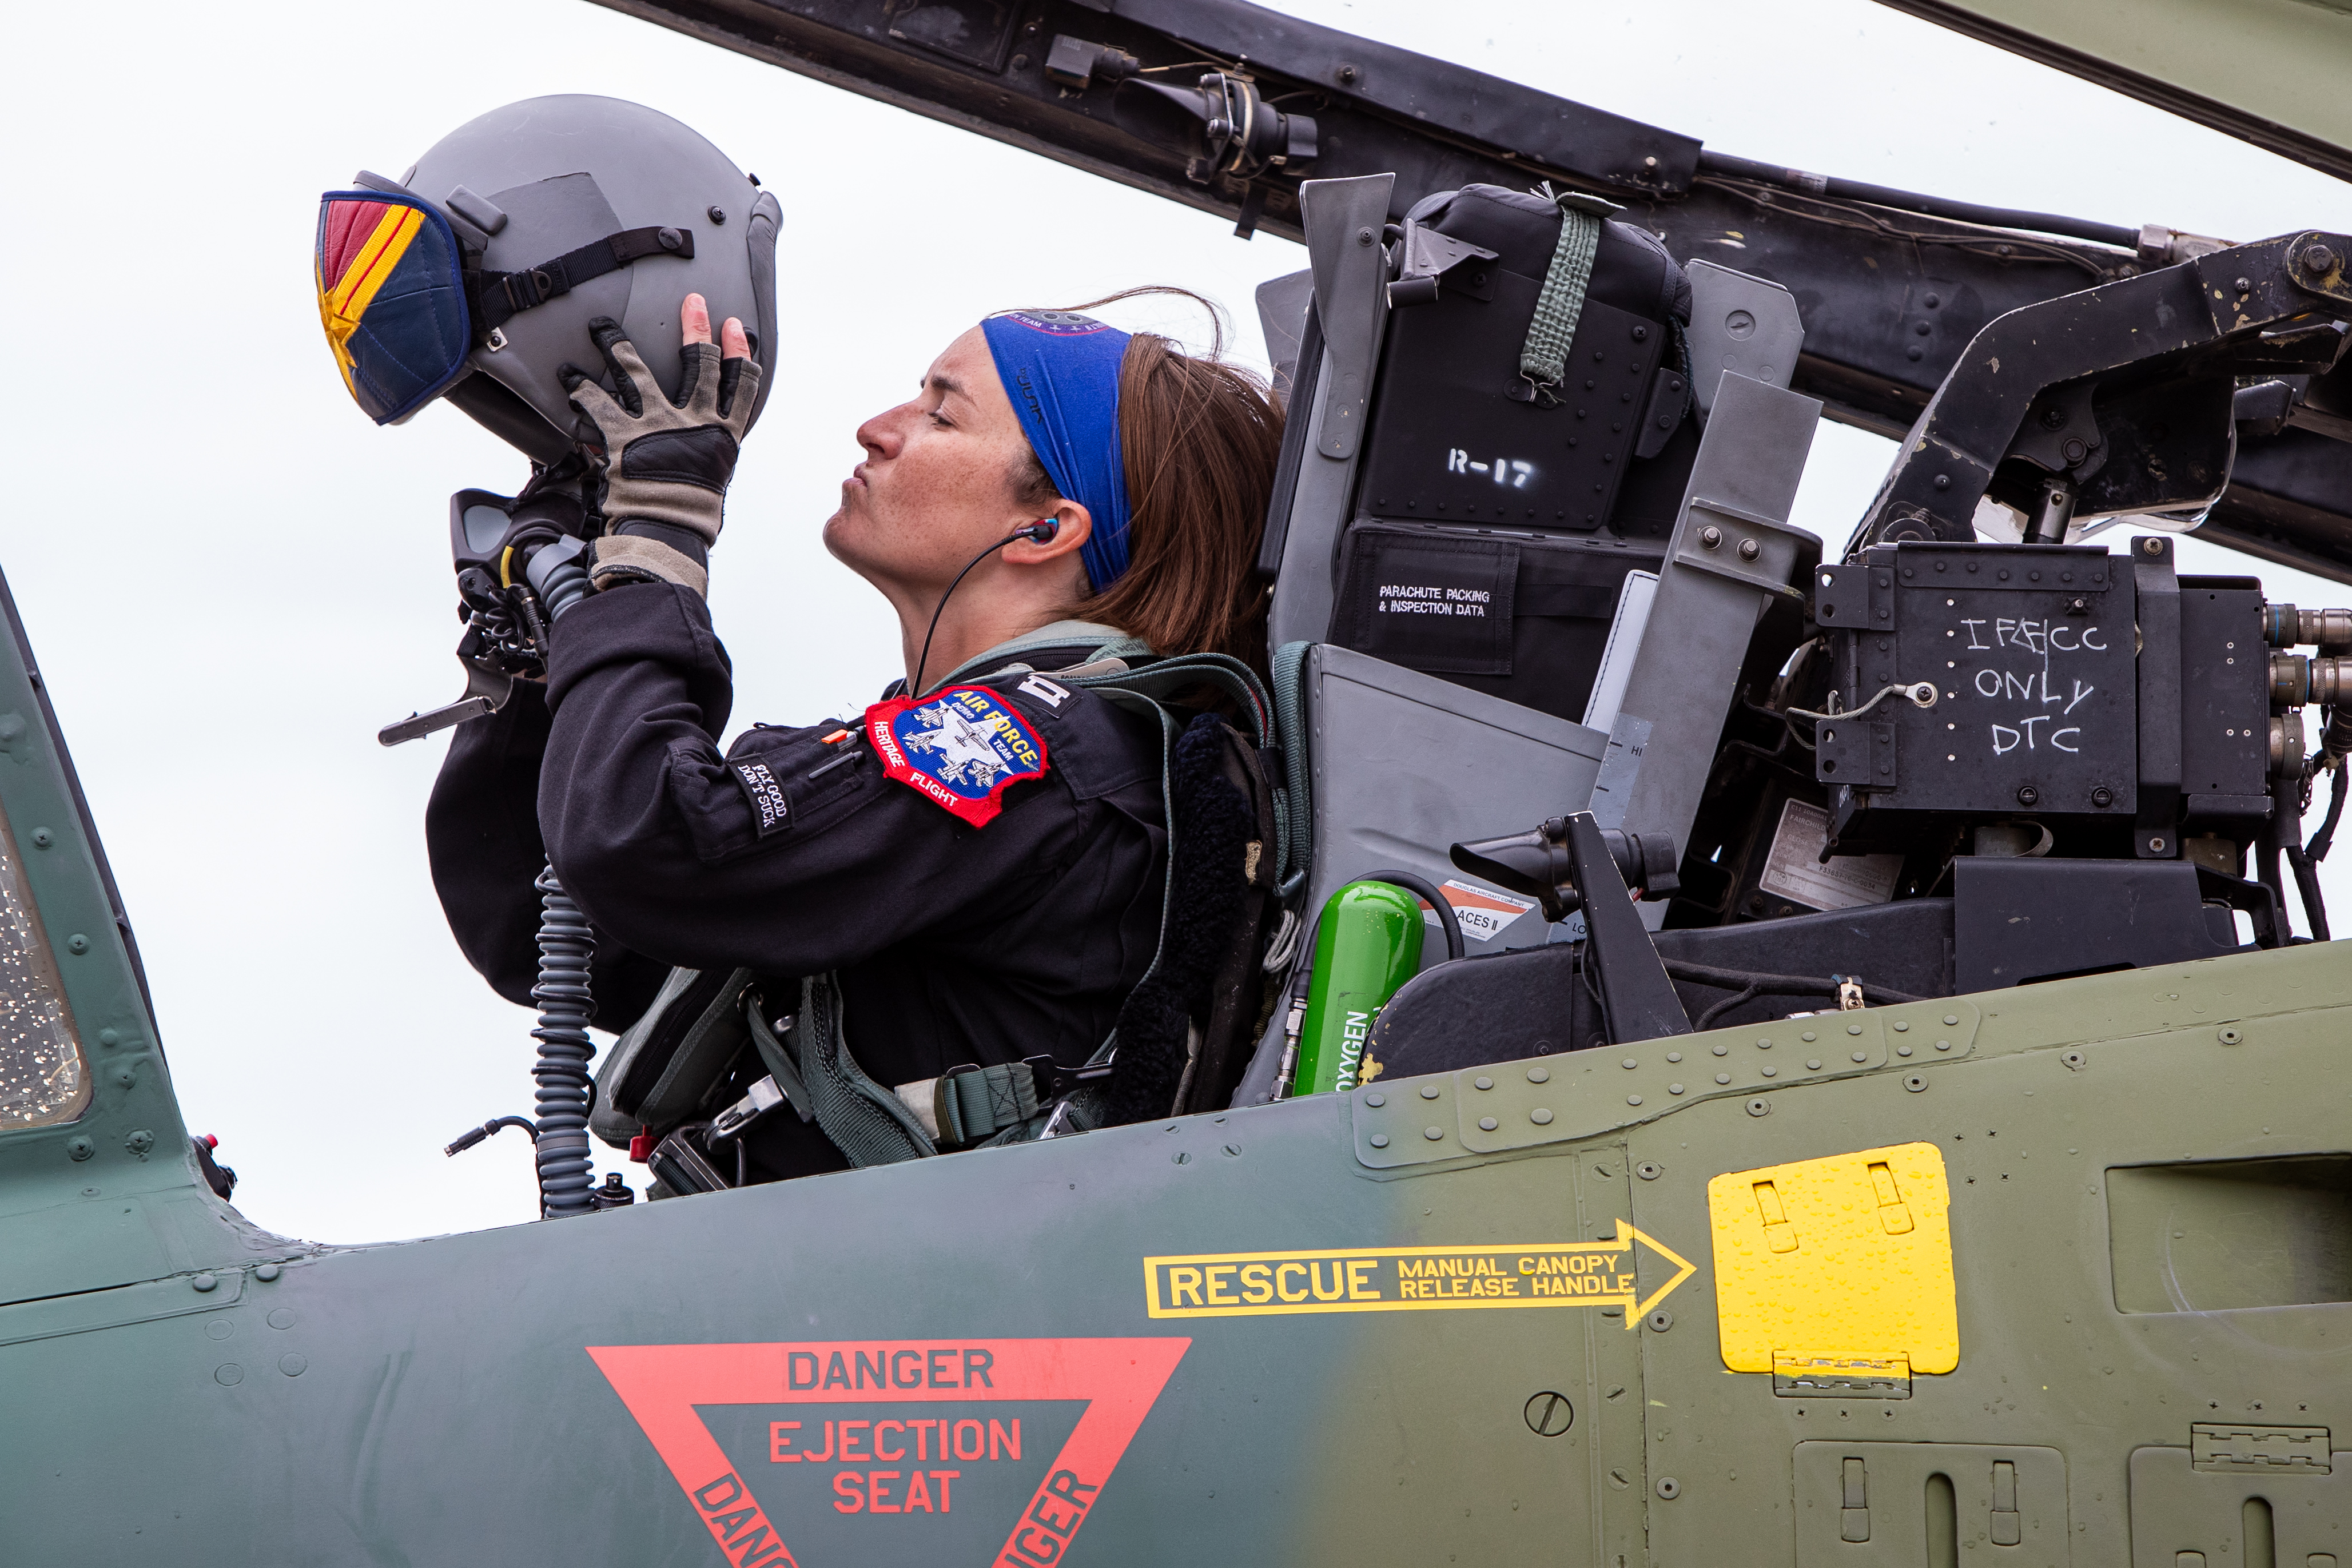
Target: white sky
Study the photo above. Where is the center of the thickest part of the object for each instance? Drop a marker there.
(232, 578)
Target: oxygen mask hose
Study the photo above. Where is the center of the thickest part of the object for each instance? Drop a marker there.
(557, 574)
(566, 948)
(566, 945)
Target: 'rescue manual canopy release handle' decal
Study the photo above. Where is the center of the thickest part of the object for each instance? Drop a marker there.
(1410, 1279)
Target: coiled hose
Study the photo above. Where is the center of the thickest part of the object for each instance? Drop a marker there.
(565, 947)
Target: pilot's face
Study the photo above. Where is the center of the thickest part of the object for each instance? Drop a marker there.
(940, 481)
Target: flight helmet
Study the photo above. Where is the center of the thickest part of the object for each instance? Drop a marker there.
(474, 276)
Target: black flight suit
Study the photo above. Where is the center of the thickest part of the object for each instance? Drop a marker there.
(953, 944)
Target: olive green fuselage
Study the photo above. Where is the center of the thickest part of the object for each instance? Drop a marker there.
(438, 1400)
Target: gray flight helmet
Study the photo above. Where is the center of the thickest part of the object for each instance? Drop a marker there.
(536, 180)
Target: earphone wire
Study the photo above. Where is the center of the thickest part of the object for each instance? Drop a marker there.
(914, 689)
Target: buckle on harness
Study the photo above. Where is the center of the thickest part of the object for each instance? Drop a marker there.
(534, 286)
(763, 1097)
(970, 1103)
(1054, 1081)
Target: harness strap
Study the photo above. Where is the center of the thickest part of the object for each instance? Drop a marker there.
(980, 1102)
(1162, 679)
(866, 1121)
(1276, 726)
(1014, 1102)
(777, 1060)
(498, 296)
(1147, 690)
(1295, 810)
(1108, 642)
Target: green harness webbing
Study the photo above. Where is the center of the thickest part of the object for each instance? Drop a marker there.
(1543, 359)
(871, 1125)
(980, 1102)
(1109, 642)
(868, 1122)
(1297, 819)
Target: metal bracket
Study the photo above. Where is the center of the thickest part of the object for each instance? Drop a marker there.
(1854, 598)
(1857, 754)
(1748, 547)
(1663, 410)
(1428, 256)
(1740, 325)
(1344, 219)
(2252, 284)
(2156, 613)
(2196, 316)
(2061, 433)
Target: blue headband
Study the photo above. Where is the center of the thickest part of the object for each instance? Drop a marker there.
(1062, 373)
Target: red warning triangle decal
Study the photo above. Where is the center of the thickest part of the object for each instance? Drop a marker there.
(1118, 1379)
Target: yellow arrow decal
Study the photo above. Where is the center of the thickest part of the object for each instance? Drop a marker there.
(1408, 1278)
(1683, 1270)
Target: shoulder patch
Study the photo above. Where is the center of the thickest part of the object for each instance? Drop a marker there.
(960, 749)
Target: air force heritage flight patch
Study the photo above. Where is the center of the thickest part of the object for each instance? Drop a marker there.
(961, 748)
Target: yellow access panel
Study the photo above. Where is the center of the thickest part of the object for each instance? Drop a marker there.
(1846, 1256)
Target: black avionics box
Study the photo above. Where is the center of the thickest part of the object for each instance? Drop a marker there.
(2071, 685)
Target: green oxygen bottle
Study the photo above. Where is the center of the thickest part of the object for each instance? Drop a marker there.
(1367, 944)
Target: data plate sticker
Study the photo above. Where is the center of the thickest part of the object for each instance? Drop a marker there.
(1794, 870)
(1482, 912)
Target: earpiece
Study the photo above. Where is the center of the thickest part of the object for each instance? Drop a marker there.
(1041, 532)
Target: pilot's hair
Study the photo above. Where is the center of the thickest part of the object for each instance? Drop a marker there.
(1200, 439)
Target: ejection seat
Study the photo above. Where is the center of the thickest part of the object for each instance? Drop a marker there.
(1506, 587)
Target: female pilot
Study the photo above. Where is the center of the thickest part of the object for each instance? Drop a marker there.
(976, 861)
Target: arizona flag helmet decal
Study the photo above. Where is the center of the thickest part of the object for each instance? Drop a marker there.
(391, 299)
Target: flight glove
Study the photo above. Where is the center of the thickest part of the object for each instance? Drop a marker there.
(667, 460)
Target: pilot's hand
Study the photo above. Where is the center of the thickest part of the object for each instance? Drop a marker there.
(667, 460)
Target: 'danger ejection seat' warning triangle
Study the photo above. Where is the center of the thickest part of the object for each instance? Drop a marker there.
(1118, 1379)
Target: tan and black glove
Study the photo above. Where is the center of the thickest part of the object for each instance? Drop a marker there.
(668, 461)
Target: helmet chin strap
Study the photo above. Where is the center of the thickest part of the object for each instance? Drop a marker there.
(1041, 532)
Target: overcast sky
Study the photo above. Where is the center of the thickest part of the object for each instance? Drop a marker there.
(233, 578)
